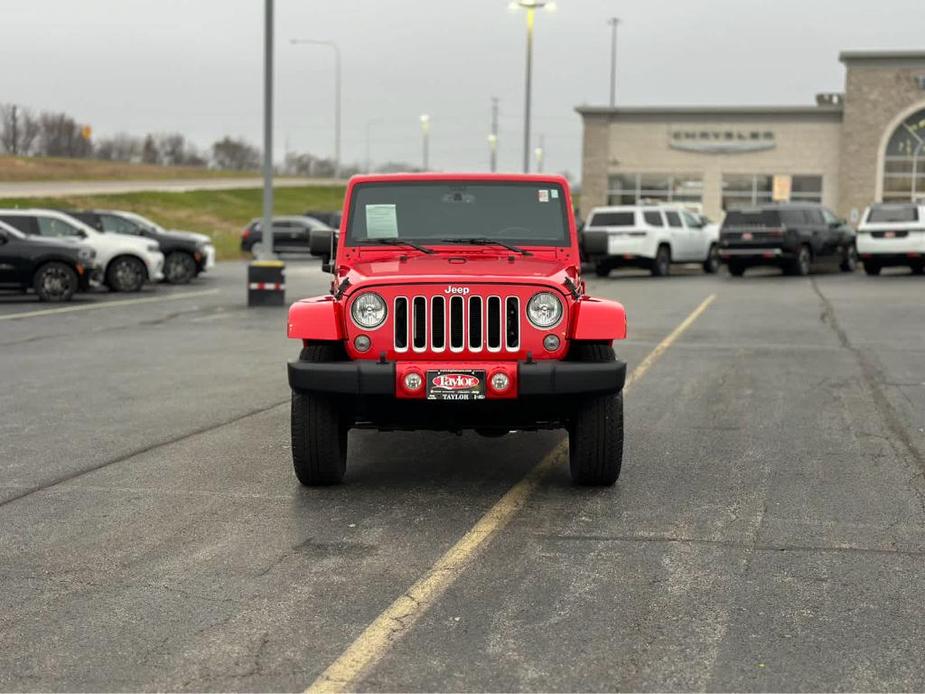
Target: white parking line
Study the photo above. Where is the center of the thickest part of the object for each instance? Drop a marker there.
(109, 304)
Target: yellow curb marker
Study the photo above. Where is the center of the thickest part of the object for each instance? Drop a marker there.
(399, 617)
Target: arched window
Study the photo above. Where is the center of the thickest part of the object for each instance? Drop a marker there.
(904, 163)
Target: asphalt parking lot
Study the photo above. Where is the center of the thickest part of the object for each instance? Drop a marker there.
(767, 533)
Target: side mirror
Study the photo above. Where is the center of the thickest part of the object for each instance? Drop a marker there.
(320, 242)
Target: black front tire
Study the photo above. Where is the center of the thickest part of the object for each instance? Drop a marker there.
(603, 268)
(661, 265)
(849, 261)
(126, 274)
(596, 427)
(918, 269)
(736, 269)
(872, 268)
(801, 265)
(55, 282)
(319, 428)
(712, 263)
(179, 268)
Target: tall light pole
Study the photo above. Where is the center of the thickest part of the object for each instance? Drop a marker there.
(540, 153)
(267, 223)
(493, 136)
(337, 82)
(425, 141)
(369, 126)
(613, 22)
(531, 6)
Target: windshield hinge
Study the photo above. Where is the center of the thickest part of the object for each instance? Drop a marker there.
(573, 289)
(341, 288)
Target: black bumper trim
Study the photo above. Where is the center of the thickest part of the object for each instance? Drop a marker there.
(570, 378)
(539, 378)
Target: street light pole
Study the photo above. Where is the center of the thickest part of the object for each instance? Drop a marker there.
(531, 6)
(613, 22)
(369, 125)
(493, 136)
(337, 99)
(267, 223)
(425, 141)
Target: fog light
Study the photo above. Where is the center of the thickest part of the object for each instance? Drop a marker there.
(500, 382)
(413, 381)
(551, 343)
(361, 342)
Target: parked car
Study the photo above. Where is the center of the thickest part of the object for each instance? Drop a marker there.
(332, 219)
(457, 304)
(891, 235)
(126, 262)
(648, 236)
(791, 236)
(53, 269)
(186, 255)
(291, 234)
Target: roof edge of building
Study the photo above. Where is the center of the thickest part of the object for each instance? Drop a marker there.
(876, 56)
(708, 110)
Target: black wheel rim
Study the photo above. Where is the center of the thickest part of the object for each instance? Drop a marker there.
(180, 268)
(56, 282)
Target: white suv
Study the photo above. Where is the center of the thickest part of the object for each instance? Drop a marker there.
(125, 262)
(892, 234)
(649, 236)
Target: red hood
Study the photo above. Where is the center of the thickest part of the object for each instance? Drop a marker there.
(468, 267)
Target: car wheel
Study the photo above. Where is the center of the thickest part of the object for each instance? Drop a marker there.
(872, 268)
(712, 263)
(849, 262)
(596, 427)
(800, 266)
(319, 429)
(918, 269)
(602, 269)
(257, 249)
(736, 269)
(179, 268)
(661, 266)
(55, 282)
(126, 274)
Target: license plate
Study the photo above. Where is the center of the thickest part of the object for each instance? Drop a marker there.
(458, 384)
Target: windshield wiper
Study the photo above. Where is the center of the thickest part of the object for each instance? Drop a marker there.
(392, 241)
(485, 241)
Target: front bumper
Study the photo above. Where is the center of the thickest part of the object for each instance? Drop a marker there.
(540, 378)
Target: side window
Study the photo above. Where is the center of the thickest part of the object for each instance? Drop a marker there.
(51, 226)
(814, 217)
(653, 218)
(674, 219)
(829, 217)
(26, 225)
(118, 225)
(691, 221)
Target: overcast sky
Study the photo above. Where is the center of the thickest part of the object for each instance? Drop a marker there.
(195, 66)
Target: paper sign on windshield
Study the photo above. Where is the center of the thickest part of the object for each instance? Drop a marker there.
(381, 222)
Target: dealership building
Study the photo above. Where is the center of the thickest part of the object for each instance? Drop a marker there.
(849, 149)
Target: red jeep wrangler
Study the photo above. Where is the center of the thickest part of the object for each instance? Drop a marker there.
(457, 303)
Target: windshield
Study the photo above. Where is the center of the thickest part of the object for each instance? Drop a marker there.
(531, 214)
(752, 218)
(143, 221)
(894, 213)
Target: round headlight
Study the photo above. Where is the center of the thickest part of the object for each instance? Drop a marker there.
(544, 310)
(368, 310)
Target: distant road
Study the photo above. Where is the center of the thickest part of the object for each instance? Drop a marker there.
(41, 189)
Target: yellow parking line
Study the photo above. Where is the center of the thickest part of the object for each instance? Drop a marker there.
(108, 304)
(399, 617)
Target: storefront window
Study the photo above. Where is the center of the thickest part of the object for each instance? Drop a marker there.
(633, 189)
(746, 190)
(904, 164)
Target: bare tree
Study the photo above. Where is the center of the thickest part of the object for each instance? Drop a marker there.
(61, 136)
(119, 147)
(18, 129)
(149, 151)
(236, 154)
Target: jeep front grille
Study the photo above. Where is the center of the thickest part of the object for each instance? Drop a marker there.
(469, 323)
